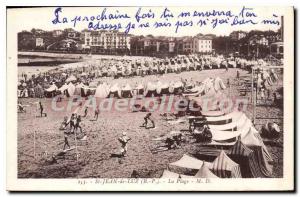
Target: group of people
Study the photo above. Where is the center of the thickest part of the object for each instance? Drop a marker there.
(74, 123)
(34, 86)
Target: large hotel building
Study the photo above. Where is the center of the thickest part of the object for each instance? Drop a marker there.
(101, 41)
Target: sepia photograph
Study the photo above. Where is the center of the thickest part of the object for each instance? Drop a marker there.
(157, 98)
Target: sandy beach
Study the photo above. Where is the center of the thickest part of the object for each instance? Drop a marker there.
(102, 138)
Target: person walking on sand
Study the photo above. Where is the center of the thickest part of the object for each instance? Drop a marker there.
(72, 122)
(96, 113)
(124, 141)
(146, 118)
(77, 124)
(66, 142)
(42, 109)
(85, 112)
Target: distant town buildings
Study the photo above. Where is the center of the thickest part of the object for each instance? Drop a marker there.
(57, 33)
(237, 35)
(258, 40)
(254, 43)
(102, 41)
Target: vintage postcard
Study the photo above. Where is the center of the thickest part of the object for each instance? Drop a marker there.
(150, 98)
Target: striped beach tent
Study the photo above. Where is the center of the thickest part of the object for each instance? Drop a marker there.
(224, 167)
(262, 156)
(245, 157)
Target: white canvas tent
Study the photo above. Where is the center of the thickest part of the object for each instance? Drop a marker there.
(162, 88)
(71, 78)
(169, 174)
(215, 113)
(230, 117)
(115, 91)
(205, 172)
(188, 162)
(52, 88)
(236, 125)
(218, 84)
(150, 89)
(63, 88)
(102, 91)
(71, 89)
(127, 91)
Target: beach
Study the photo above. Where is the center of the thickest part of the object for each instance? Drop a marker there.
(94, 158)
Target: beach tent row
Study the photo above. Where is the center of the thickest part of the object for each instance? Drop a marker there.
(236, 129)
(207, 87)
(236, 162)
(103, 90)
(221, 167)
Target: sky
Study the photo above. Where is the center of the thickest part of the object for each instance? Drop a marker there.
(27, 18)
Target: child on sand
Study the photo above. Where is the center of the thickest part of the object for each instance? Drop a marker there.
(85, 112)
(64, 124)
(66, 142)
(146, 118)
(72, 122)
(124, 140)
(42, 109)
(96, 113)
(77, 124)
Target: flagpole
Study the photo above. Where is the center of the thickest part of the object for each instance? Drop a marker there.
(76, 150)
(34, 144)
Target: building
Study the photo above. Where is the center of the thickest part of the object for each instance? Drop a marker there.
(39, 42)
(276, 49)
(202, 44)
(258, 40)
(237, 35)
(187, 45)
(38, 31)
(105, 41)
(57, 33)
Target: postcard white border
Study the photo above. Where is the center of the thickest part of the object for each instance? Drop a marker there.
(270, 184)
